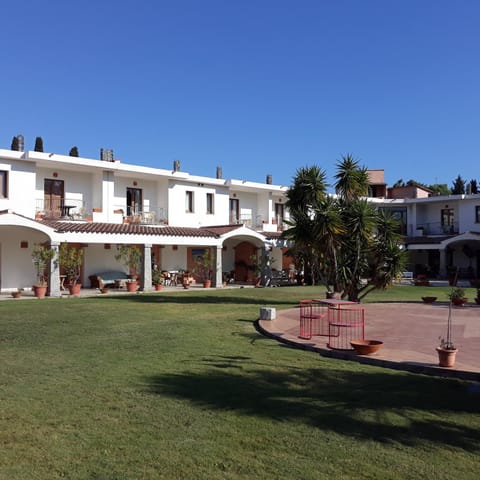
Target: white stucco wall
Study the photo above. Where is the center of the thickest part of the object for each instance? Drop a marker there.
(16, 266)
(21, 187)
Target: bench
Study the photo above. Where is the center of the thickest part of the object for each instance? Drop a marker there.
(103, 279)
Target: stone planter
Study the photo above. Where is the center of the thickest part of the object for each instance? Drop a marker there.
(429, 299)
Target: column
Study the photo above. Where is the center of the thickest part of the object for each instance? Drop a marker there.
(146, 275)
(54, 272)
(217, 280)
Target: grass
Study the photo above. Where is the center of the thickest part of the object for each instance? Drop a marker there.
(180, 386)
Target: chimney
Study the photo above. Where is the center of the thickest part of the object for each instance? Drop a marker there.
(219, 172)
(176, 165)
(21, 143)
(106, 155)
(269, 179)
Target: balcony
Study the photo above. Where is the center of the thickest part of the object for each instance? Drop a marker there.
(152, 216)
(436, 228)
(60, 209)
(247, 219)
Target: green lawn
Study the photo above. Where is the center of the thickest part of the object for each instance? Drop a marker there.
(181, 386)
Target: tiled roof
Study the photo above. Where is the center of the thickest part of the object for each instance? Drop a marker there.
(220, 230)
(128, 229)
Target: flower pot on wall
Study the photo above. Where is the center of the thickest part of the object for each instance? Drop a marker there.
(207, 283)
(132, 286)
(158, 287)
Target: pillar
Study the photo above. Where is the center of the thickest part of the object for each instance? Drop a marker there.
(54, 272)
(217, 280)
(146, 276)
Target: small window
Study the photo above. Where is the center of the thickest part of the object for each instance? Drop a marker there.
(210, 203)
(477, 214)
(189, 202)
(3, 184)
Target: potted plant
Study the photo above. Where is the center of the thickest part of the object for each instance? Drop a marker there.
(71, 260)
(457, 296)
(157, 279)
(131, 257)
(204, 267)
(41, 256)
(17, 293)
(446, 350)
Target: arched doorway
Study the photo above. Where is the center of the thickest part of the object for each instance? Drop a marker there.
(244, 271)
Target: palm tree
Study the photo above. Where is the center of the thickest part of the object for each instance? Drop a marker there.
(351, 245)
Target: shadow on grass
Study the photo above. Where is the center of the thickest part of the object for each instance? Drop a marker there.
(370, 405)
(198, 298)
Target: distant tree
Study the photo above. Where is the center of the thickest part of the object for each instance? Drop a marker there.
(73, 152)
(399, 183)
(14, 144)
(439, 189)
(473, 187)
(458, 186)
(38, 144)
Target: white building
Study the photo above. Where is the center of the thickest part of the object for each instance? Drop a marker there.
(97, 205)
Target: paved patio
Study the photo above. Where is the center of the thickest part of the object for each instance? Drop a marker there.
(410, 332)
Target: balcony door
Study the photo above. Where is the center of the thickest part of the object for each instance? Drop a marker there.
(53, 197)
(134, 201)
(234, 211)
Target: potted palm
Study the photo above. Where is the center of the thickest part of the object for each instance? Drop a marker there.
(131, 257)
(157, 279)
(204, 267)
(41, 256)
(71, 260)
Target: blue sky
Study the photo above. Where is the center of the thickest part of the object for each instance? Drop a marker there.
(255, 86)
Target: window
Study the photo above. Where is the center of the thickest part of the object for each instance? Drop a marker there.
(279, 213)
(234, 211)
(477, 214)
(189, 201)
(210, 203)
(134, 201)
(447, 217)
(3, 184)
(447, 220)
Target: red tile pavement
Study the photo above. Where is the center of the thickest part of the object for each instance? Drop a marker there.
(410, 332)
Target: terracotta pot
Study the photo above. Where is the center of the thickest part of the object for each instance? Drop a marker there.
(104, 290)
(366, 347)
(446, 358)
(132, 286)
(459, 302)
(74, 289)
(158, 287)
(16, 294)
(40, 290)
(207, 283)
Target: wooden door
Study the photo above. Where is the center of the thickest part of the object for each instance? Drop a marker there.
(53, 197)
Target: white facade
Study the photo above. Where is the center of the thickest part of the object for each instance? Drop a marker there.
(97, 205)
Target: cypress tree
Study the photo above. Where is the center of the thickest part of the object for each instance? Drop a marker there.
(14, 144)
(73, 152)
(38, 144)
